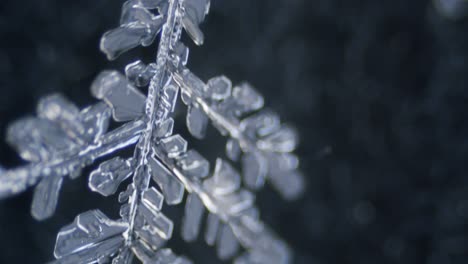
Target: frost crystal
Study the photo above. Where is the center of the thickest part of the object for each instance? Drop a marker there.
(62, 140)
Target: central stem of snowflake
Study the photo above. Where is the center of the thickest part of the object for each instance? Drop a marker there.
(156, 110)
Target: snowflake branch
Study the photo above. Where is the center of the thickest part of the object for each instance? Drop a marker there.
(221, 195)
(265, 142)
(17, 180)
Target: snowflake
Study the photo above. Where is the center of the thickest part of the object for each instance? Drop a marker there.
(63, 139)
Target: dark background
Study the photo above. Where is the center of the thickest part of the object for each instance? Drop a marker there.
(377, 90)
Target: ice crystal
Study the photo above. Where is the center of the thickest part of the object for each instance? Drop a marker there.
(63, 139)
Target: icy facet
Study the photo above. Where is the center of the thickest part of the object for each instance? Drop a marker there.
(233, 149)
(247, 98)
(219, 88)
(181, 52)
(283, 140)
(107, 178)
(142, 251)
(197, 122)
(150, 237)
(171, 187)
(170, 96)
(194, 164)
(157, 223)
(195, 11)
(153, 199)
(193, 30)
(97, 253)
(88, 229)
(95, 120)
(290, 185)
(192, 218)
(212, 226)
(235, 203)
(139, 73)
(250, 230)
(283, 162)
(123, 196)
(138, 27)
(195, 84)
(126, 101)
(185, 96)
(134, 12)
(117, 41)
(264, 246)
(56, 108)
(46, 196)
(124, 211)
(65, 114)
(254, 168)
(38, 140)
(227, 245)
(251, 213)
(225, 179)
(134, 69)
(164, 129)
(261, 124)
(174, 145)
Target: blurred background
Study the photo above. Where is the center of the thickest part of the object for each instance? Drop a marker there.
(377, 90)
